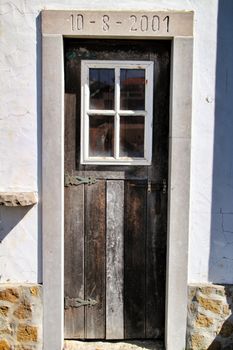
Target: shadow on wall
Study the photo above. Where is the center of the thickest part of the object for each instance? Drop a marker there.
(9, 218)
(221, 248)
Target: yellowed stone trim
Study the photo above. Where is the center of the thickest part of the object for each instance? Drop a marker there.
(16, 199)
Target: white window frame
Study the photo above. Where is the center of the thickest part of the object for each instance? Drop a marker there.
(86, 112)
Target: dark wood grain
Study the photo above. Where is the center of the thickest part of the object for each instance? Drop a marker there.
(155, 265)
(159, 167)
(95, 259)
(157, 200)
(74, 259)
(135, 259)
(70, 133)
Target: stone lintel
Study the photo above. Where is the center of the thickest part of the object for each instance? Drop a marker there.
(137, 24)
(17, 199)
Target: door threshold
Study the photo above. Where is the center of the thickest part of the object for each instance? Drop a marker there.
(113, 345)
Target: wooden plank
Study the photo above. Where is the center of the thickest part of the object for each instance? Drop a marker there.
(115, 260)
(70, 131)
(159, 167)
(74, 259)
(156, 264)
(105, 173)
(95, 259)
(135, 261)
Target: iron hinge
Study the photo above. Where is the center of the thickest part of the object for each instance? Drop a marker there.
(78, 302)
(71, 180)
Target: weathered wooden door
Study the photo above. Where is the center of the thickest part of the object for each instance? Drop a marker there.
(115, 213)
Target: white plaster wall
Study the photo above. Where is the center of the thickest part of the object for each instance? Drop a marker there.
(20, 118)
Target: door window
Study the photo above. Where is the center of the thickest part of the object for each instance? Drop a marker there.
(116, 112)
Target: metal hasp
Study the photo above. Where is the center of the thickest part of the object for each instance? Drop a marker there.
(160, 186)
(164, 186)
(77, 302)
(78, 180)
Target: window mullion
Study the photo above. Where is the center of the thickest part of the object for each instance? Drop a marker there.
(117, 116)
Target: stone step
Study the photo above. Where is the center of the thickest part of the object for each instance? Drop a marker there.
(113, 345)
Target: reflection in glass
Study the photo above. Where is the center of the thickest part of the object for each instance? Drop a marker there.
(101, 136)
(132, 136)
(132, 86)
(101, 88)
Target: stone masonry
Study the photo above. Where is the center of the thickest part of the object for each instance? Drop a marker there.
(210, 319)
(20, 317)
(15, 199)
(209, 326)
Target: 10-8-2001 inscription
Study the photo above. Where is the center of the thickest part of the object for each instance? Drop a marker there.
(135, 23)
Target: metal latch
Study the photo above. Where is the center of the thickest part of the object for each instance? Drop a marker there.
(78, 302)
(157, 186)
(149, 186)
(78, 180)
(164, 186)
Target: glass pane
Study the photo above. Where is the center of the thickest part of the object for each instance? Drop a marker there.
(101, 88)
(132, 85)
(132, 136)
(101, 136)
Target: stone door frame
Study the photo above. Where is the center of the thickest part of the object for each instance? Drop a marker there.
(178, 27)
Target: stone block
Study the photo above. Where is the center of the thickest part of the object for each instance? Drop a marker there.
(23, 311)
(27, 333)
(209, 323)
(9, 294)
(204, 321)
(4, 310)
(22, 347)
(210, 304)
(20, 317)
(34, 291)
(4, 345)
(15, 199)
(197, 341)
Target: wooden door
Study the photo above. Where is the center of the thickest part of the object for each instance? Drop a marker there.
(115, 215)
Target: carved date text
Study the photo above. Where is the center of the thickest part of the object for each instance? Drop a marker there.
(144, 23)
(136, 23)
(77, 22)
(105, 24)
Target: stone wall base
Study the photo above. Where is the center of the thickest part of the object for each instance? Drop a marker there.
(20, 317)
(210, 319)
(209, 322)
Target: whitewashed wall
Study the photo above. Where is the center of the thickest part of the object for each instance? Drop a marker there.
(211, 258)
